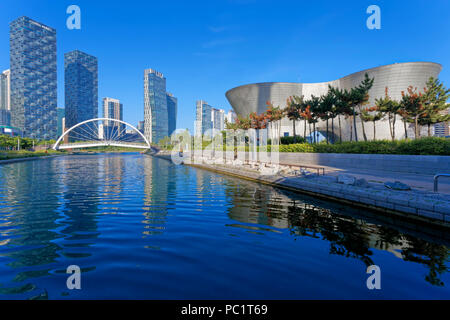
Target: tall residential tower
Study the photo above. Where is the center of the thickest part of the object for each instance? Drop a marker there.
(81, 87)
(160, 107)
(172, 103)
(112, 109)
(33, 78)
(5, 88)
(203, 118)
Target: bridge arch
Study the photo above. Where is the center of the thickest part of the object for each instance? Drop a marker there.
(104, 142)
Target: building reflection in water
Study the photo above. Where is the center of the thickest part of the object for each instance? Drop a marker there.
(348, 235)
(111, 173)
(80, 205)
(160, 192)
(28, 230)
(48, 219)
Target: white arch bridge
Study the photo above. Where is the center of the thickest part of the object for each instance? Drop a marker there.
(101, 132)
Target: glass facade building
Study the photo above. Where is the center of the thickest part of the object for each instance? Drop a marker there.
(61, 121)
(172, 104)
(81, 87)
(140, 126)
(33, 78)
(156, 122)
(113, 109)
(5, 115)
(203, 119)
(218, 119)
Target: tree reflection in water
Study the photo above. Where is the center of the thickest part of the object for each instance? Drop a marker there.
(348, 233)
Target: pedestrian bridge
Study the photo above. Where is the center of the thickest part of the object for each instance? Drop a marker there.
(100, 132)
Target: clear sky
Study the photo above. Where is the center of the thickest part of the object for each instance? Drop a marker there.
(205, 48)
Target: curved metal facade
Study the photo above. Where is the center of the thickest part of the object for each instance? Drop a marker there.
(397, 77)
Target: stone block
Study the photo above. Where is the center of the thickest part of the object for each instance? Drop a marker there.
(384, 204)
(443, 208)
(351, 197)
(402, 200)
(367, 201)
(405, 209)
(424, 204)
(346, 179)
(431, 214)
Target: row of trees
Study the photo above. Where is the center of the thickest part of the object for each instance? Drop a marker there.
(14, 143)
(419, 108)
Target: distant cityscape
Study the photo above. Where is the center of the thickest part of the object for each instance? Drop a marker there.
(28, 93)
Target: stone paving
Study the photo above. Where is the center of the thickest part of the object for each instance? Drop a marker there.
(417, 181)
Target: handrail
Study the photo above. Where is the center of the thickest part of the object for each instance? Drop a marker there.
(436, 179)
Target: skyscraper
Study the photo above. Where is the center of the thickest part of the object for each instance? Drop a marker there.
(172, 112)
(231, 116)
(61, 120)
(81, 87)
(33, 78)
(140, 126)
(5, 115)
(156, 120)
(112, 109)
(218, 119)
(203, 121)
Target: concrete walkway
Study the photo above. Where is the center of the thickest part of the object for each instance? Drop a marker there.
(423, 182)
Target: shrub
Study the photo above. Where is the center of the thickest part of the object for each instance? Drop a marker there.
(423, 146)
(289, 140)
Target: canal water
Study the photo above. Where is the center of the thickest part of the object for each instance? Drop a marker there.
(144, 228)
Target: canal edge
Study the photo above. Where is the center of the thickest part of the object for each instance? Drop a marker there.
(390, 214)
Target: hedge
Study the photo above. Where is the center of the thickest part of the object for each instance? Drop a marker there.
(423, 146)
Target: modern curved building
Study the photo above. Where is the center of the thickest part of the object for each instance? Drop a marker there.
(397, 77)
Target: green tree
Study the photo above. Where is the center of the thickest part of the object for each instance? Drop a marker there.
(326, 106)
(372, 114)
(293, 111)
(389, 108)
(435, 102)
(313, 103)
(343, 104)
(413, 108)
(274, 116)
(361, 96)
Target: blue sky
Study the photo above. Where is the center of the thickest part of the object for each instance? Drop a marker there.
(205, 48)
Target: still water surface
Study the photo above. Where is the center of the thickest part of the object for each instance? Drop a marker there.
(143, 228)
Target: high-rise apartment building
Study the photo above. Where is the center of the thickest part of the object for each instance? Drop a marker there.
(81, 87)
(203, 120)
(218, 119)
(156, 118)
(61, 121)
(231, 117)
(172, 105)
(33, 78)
(140, 126)
(112, 109)
(5, 90)
(5, 114)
